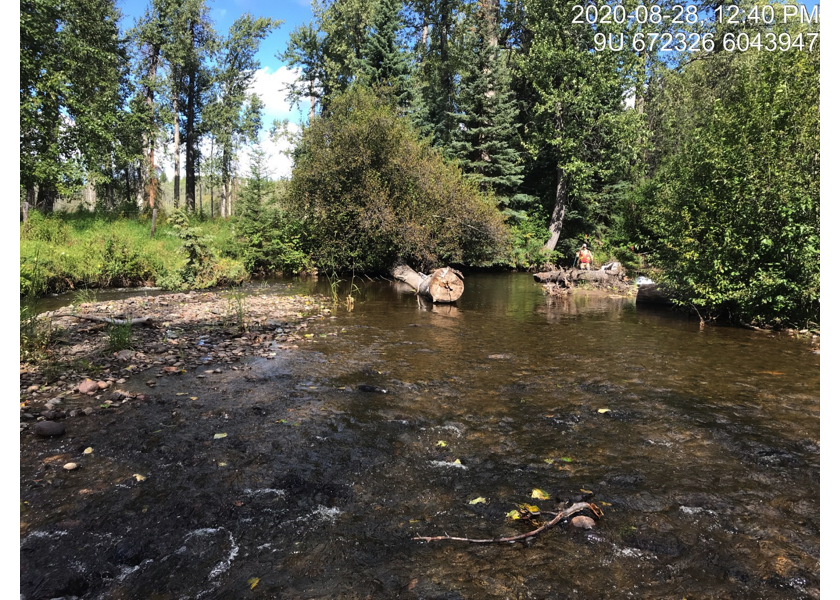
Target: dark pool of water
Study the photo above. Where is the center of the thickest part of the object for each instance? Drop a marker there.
(700, 445)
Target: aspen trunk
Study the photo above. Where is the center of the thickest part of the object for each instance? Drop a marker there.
(176, 126)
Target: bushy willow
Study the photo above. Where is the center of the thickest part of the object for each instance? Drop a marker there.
(733, 209)
(369, 193)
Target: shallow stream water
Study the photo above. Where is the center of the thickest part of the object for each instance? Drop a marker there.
(701, 446)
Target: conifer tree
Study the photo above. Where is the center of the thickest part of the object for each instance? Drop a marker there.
(484, 142)
(384, 62)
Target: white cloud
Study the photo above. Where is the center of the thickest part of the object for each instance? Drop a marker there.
(271, 88)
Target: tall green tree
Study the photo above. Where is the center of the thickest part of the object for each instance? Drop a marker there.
(579, 127)
(485, 140)
(72, 71)
(234, 115)
(384, 63)
(329, 50)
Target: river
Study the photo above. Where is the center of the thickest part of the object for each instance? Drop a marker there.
(700, 445)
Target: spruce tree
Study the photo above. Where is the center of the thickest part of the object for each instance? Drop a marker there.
(485, 139)
(384, 62)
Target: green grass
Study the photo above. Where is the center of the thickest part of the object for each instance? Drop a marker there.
(83, 251)
(119, 336)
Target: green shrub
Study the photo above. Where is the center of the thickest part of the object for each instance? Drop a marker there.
(368, 192)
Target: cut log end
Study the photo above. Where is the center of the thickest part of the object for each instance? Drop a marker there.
(445, 285)
(441, 286)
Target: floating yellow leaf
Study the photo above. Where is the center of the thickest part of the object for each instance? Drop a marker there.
(441, 443)
(219, 436)
(549, 461)
(308, 335)
(457, 461)
(223, 464)
(88, 451)
(603, 410)
(539, 494)
(193, 397)
(139, 477)
(181, 394)
(513, 515)
(586, 491)
(253, 582)
(605, 503)
(479, 500)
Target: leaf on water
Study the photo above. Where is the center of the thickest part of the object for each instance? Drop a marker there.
(530, 508)
(479, 500)
(253, 582)
(193, 397)
(549, 461)
(539, 494)
(414, 520)
(283, 421)
(603, 410)
(222, 464)
(566, 459)
(513, 515)
(139, 477)
(457, 461)
(605, 503)
(219, 436)
(586, 491)
(441, 444)
(308, 335)
(104, 405)
(181, 394)
(88, 450)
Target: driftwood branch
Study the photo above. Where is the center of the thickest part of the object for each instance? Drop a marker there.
(563, 514)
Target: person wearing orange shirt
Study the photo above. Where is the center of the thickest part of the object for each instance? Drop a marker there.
(585, 257)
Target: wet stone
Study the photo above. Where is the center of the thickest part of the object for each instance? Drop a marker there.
(88, 386)
(583, 522)
(49, 428)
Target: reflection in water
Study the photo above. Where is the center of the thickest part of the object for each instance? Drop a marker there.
(701, 446)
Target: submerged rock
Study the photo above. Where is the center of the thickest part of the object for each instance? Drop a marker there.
(49, 428)
(371, 388)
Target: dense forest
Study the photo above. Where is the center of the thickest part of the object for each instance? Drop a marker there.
(479, 133)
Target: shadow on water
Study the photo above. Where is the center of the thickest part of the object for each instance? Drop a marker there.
(701, 446)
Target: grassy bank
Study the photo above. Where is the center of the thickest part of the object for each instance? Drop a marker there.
(88, 250)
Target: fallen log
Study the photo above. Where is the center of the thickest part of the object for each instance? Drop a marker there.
(563, 514)
(109, 320)
(441, 286)
(566, 277)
